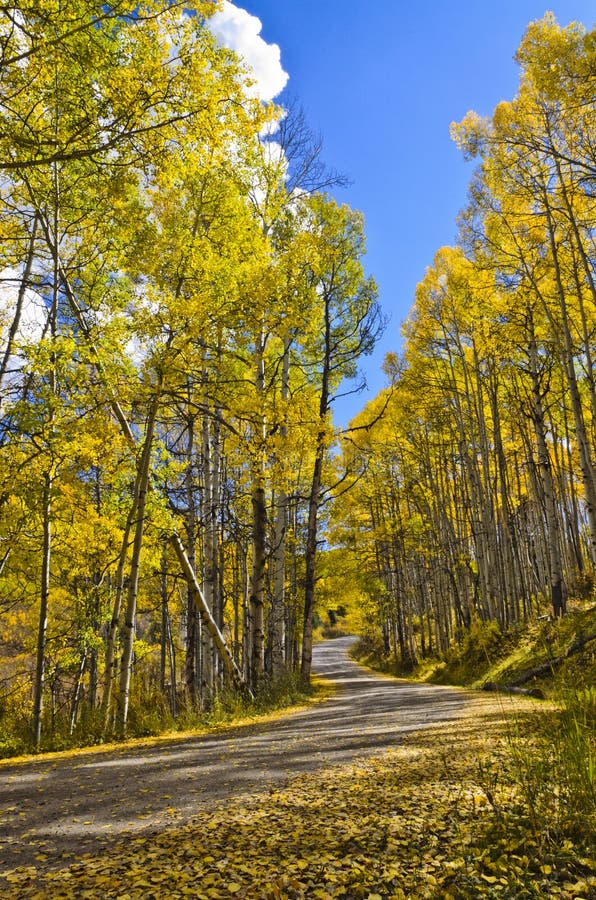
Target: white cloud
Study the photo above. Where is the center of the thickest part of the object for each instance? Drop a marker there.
(275, 154)
(240, 31)
(31, 326)
(34, 312)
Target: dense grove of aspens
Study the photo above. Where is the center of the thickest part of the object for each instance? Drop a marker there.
(474, 499)
(181, 301)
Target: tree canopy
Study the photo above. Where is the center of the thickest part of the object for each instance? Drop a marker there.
(179, 300)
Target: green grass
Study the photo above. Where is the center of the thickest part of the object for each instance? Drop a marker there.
(541, 784)
(484, 654)
(150, 717)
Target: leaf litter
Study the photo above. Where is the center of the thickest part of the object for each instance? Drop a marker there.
(429, 819)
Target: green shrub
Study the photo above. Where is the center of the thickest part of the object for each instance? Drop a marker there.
(482, 641)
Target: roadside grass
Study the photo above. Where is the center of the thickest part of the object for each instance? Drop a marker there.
(271, 704)
(485, 654)
(441, 816)
(149, 716)
(541, 783)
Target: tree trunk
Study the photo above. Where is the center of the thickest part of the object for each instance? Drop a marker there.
(310, 553)
(259, 533)
(110, 651)
(585, 457)
(40, 663)
(207, 617)
(552, 522)
(191, 674)
(314, 500)
(278, 611)
(133, 584)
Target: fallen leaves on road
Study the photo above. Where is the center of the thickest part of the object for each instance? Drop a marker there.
(418, 822)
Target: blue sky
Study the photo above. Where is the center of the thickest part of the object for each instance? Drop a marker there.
(382, 82)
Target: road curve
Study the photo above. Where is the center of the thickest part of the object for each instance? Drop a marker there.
(53, 810)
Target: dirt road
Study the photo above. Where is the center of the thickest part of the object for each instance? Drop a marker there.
(56, 809)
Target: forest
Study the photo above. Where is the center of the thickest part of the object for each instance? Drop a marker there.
(474, 496)
(182, 298)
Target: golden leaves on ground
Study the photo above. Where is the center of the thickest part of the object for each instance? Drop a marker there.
(420, 822)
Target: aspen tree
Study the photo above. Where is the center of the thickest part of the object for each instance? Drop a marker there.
(350, 323)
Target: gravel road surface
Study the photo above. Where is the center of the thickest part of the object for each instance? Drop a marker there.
(55, 809)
